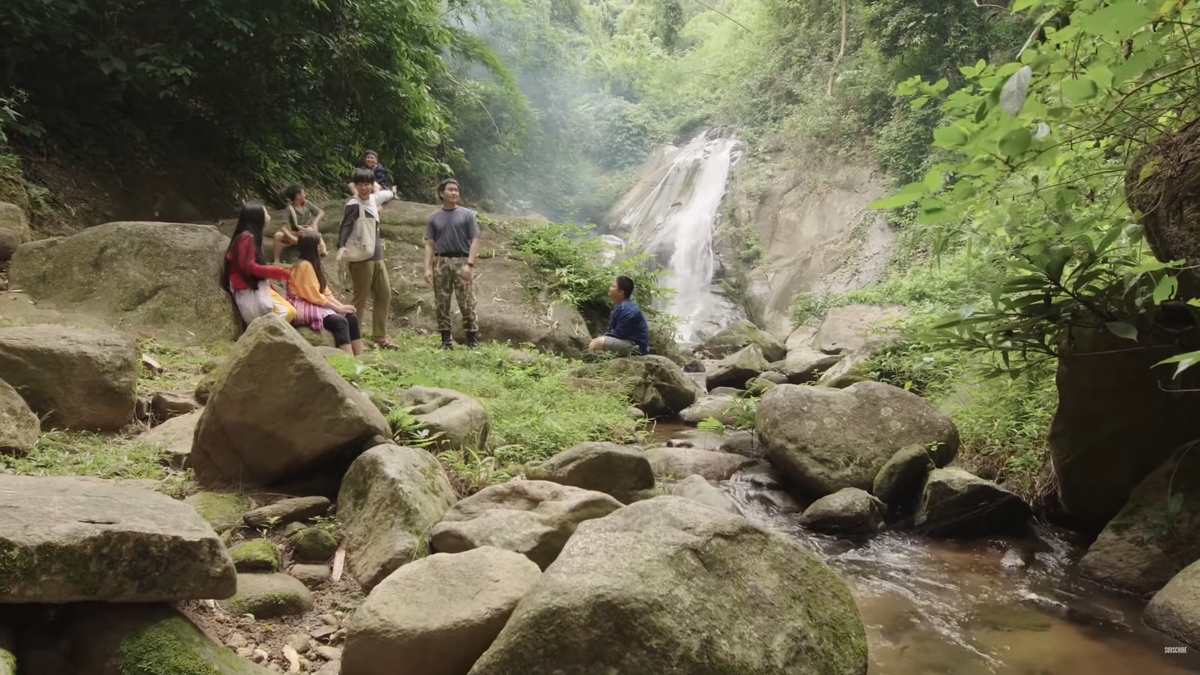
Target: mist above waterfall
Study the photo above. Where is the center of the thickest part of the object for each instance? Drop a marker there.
(672, 214)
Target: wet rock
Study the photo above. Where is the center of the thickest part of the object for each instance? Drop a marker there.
(658, 386)
(271, 373)
(955, 503)
(135, 639)
(695, 366)
(223, 511)
(727, 391)
(157, 276)
(698, 489)
(313, 545)
(737, 369)
(721, 408)
(1148, 542)
(828, 439)
(616, 470)
(266, 596)
(255, 555)
(311, 576)
(437, 615)
(900, 480)
(19, 427)
(680, 443)
(757, 386)
(849, 328)
(712, 465)
(634, 590)
(175, 438)
(389, 499)
(531, 517)
(165, 405)
(773, 377)
(743, 443)
(76, 378)
(806, 364)
(75, 539)
(459, 418)
(1175, 609)
(849, 511)
(740, 335)
(287, 511)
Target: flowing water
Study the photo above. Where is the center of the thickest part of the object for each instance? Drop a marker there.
(672, 215)
(991, 606)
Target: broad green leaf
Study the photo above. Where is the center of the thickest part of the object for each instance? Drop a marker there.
(950, 137)
(1122, 329)
(934, 179)
(905, 196)
(1153, 265)
(1101, 75)
(1079, 90)
(918, 102)
(1012, 96)
(1165, 289)
(1118, 19)
(1020, 5)
(1184, 362)
(982, 111)
(1015, 142)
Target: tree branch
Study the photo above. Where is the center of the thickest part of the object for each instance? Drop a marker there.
(842, 49)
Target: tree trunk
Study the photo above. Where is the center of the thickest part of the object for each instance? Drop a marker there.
(841, 50)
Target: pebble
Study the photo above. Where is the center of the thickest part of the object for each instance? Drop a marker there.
(299, 643)
(329, 620)
(237, 641)
(329, 653)
(261, 656)
(245, 652)
(323, 632)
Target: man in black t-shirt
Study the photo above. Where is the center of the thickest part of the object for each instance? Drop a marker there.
(451, 246)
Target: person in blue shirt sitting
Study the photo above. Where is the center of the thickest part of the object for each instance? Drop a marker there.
(627, 332)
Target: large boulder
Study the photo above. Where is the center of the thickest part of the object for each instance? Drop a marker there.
(19, 427)
(829, 439)
(77, 378)
(389, 499)
(681, 462)
(1175, 610)
(459, 419)
(849, 511)
(1117, 420)
(437, 616)
(722, 408)
(174, 438)
(736, 369)
(531, 517)
(699, 489)
(152, 276)
(14, 230)
(669, 585)
(899, 482)
(250, 434)
(733, 339)
(846, 329)
(956, 503)
(1159, 185)
(617, 470)
(146, 640)
(806, 364)
(1155, 535)
(659, 387)
(80, 539)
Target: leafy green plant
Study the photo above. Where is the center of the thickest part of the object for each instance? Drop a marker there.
(711, 425)
(407, 430)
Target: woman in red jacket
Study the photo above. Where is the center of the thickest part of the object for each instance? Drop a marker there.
(245, 273)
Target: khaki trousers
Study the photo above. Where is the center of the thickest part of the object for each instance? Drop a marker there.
(371, 282)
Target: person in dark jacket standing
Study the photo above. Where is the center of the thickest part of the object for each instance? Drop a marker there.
(451, 247)
(370, 162)
(628, 333)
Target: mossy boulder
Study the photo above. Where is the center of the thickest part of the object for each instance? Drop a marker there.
(458, 419)
(849, 511)
(147, 640)
(681, 462)
(898, 483)
(1175, 609)
(389, 499)
(737, 369)
(722, 408)
(956, 503)
(740, 335)
(656, 385)
(313, 545)
(617, 470)
(699, 489)
(158, 277)
(671, 585)
(266, 596)
(14, 230)
(222, 510)
(255, 555)
(19, 427)
(78, 378)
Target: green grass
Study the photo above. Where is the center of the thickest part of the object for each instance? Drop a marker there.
(79, 453)
(534, 413)
(182, 367)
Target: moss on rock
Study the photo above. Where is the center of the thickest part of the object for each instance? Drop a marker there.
(255, 555)
(222, 510)
(265, 596)
(313, 544)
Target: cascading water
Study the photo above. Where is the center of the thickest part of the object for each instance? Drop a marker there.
(672, 214)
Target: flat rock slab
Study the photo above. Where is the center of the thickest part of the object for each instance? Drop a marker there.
(72, 540)
(682, 462)
(175, 438)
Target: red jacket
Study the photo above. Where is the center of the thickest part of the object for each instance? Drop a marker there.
(244, 267)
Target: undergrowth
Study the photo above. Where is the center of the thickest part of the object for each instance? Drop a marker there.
(81, 453)
(534, 412)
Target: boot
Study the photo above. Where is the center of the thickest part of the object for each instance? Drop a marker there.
(447, 340)
(472, 340)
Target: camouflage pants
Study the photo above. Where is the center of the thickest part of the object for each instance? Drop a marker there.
(447, 280)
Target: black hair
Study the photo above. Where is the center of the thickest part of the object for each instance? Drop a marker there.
(251, 220)
(309, 248)
(370, 152)
(626, 286)
(442, 185)
(293, 192)
(362, 176)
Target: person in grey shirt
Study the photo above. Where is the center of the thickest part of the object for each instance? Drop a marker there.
(451, 246)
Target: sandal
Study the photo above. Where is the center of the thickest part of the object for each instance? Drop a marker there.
(384, 343)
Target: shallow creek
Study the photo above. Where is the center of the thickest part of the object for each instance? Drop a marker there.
(989, 606)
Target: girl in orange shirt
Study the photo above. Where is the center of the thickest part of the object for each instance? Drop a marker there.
(315, 306)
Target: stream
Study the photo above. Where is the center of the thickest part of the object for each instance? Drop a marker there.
(1005, 606)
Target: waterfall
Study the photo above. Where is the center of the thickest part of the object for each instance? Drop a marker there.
(672, 214)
